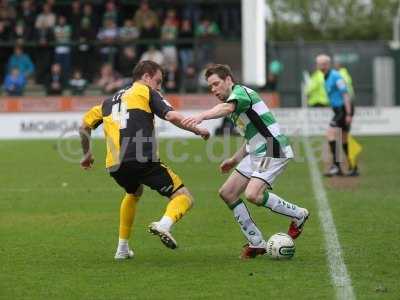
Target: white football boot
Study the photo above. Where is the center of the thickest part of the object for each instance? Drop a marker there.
(165, 236)
(120, 255)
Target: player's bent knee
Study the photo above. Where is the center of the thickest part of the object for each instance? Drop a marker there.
(226, 195)
(252, 197)
(139, 191)
(183, 191)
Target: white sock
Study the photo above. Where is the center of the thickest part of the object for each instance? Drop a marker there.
(166, 223)
(283, 207)
(123, 245)
(249, 229)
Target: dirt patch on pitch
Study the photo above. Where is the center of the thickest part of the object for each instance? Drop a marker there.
(343, 183)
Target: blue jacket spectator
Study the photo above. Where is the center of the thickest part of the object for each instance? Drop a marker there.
(14, 83)
(21, 61)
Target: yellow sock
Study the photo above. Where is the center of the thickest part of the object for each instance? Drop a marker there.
(178, 207)
(127, 215)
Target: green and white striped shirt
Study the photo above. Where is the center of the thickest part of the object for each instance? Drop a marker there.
(255, 122)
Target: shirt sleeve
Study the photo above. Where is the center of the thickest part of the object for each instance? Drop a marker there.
(94, 117)
(241, 99)
(158, 105)
(341, 85)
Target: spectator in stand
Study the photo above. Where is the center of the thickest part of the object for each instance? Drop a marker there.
(88, 23)
(4, 54)
(144, 14)
(129, 32)
(20, 33)
(62, 51)
(186, 47)
(4, 31)
(44, 24)
(27, 13)
(14, 83)
(171, 78)
(274, 70)
(169, 33)
(8, 8)
(85, 52)
(127, 60)
(171, 15)
(57, 9)
(149, 31)
(21, 61)
(127, 57)
(206, 32)
(75, 18)
(7, 14)
(229, 19)
(111, 12)
(192, 12)
(108, 36)
(55, 82)
(77, 84)
(109, 81)
(189, 79)
(153, 54)
(51, 3)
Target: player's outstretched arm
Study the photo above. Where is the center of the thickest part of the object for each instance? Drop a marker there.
(218, 111)
(176, 118)
(85, 135)
(231, 162)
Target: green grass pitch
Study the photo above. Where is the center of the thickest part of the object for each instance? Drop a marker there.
(59, 226)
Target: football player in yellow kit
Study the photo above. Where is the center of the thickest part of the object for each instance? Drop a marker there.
(132, 160)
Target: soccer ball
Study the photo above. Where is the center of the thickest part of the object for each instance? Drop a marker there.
(280, 246)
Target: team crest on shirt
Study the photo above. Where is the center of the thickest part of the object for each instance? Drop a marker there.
(240, 124)
(341, 84)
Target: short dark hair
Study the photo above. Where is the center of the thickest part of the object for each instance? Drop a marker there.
(222, 71)
(145, 66)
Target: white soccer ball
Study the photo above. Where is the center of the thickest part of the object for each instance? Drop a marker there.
(280, 246)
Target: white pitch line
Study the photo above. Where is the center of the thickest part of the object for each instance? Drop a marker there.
(340, 277)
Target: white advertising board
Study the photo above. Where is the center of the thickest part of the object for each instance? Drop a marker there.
(367, 121)
(66, 124)
(315, 121)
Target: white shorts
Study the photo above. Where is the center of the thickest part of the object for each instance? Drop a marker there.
(264, 168)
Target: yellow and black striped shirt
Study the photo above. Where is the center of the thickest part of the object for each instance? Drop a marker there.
(128, 123)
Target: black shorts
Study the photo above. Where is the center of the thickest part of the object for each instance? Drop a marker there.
(130, 175)
(339, 118)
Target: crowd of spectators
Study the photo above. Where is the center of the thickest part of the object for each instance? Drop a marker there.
(80, 43)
